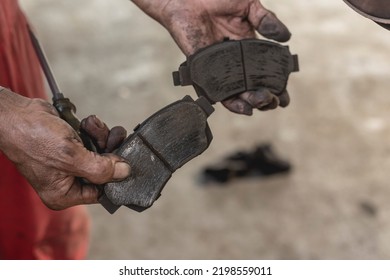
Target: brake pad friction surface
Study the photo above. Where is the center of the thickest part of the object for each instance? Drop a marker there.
(160, 145)
(225, 69)
(222, 64)
(270, 67)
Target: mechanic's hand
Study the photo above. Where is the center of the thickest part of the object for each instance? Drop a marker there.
(49, 153)
(195, 24)
(106, 140)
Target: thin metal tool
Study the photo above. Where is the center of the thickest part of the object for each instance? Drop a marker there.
(57, 94)
(66, 109)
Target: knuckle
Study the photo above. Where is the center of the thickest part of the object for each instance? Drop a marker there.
(42, 105)
(38, 102)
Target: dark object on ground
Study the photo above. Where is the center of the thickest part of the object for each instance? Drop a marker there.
(369, 208)
(262, 161)
(225, 69)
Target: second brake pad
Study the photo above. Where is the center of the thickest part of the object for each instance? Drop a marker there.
(225, 69)
(160, 145)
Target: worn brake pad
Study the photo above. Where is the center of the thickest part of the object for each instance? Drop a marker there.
(225, 69)
(160, 145)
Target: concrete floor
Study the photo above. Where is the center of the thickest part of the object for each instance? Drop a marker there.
(114, 61)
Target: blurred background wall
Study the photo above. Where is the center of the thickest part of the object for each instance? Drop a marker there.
(114, 61)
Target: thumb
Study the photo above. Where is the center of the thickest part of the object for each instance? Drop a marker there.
(267, 24)
(100, 169)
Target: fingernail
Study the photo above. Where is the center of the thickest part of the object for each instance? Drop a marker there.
(244, 109)
(272, 105)
(284, 100)
(122, 170)
(272, 28)
(98, 122)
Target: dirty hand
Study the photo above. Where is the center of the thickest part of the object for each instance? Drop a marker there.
(50, 155)
(105, 139)
(195, 24)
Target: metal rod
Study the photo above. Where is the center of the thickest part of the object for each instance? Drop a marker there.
(45, 67)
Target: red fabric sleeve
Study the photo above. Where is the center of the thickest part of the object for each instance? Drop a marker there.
(28, 229)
